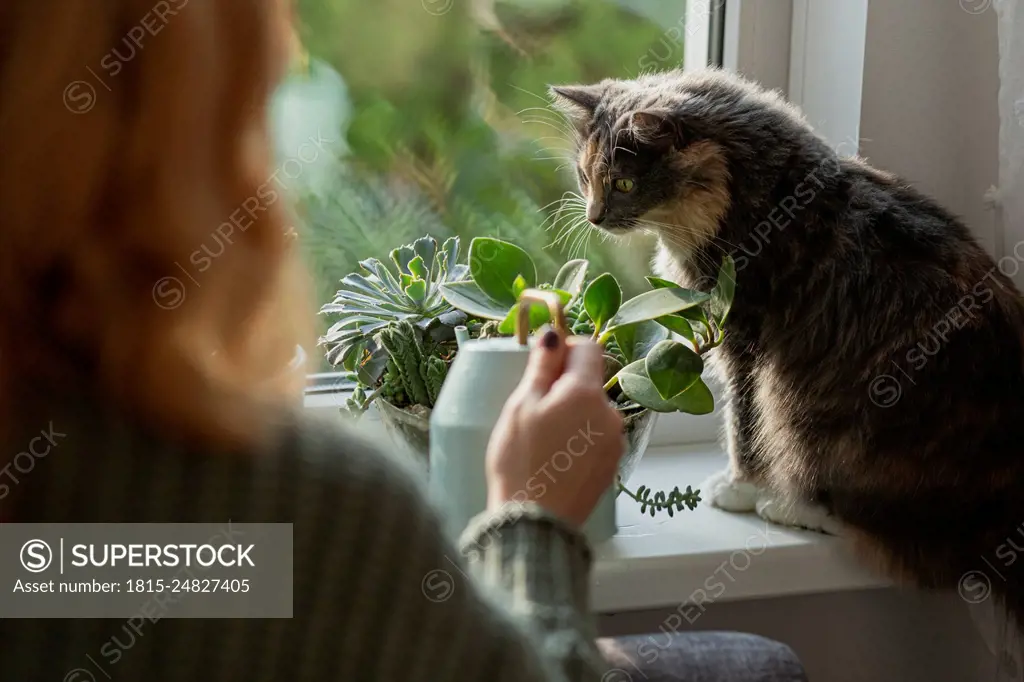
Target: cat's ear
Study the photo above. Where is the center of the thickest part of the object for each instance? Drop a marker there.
(578, 101)
(654, 128)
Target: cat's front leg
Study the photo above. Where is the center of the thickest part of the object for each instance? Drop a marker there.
(736, 488)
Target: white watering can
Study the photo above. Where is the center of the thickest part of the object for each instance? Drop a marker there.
(480, 380)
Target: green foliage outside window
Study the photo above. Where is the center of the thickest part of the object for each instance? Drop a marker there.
(438, 123)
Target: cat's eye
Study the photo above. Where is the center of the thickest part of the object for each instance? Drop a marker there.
(624, 185)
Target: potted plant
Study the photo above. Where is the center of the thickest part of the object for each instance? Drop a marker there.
(647, 372)
(397, 337)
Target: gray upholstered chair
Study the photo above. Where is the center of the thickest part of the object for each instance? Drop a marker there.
(700, 657)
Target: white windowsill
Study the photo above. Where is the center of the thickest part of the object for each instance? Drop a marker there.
(662, 561)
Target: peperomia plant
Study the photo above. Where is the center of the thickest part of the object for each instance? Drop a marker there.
(651, 370)
(645, 367)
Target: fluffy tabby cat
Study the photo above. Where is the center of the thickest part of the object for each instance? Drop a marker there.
(873, 362)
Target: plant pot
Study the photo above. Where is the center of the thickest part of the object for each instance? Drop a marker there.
(639, 428)
(408, 428)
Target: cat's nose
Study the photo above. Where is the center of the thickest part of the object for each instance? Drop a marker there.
(595, 213)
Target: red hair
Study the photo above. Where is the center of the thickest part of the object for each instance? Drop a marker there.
(131, 134)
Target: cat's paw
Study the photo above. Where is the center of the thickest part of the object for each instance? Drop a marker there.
(720, 490)
(797, 515)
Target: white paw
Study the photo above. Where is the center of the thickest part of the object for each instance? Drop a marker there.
(720, 490)
(796, 514)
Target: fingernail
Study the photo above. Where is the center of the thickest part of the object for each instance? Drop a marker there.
(550, 339)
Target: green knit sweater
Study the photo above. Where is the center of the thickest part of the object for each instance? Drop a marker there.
(379, 593)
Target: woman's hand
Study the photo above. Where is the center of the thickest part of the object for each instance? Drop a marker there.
(558, 440)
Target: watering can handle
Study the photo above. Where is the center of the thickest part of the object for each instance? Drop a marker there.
(554, 304)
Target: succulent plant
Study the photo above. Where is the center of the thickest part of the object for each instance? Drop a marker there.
(371, 301)
(415, 369)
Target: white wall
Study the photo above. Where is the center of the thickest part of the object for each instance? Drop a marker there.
(930, 108)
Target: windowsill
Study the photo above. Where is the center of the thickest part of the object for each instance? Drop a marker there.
(709, 555)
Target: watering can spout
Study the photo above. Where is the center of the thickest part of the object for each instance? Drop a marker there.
(461, 335)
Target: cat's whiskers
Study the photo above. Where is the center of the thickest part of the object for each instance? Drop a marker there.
(565, 205)
(573, 218)
(530, 93)
(556, 122)
(567, 197)
(571, 236)
(579, 244)
(562, 153)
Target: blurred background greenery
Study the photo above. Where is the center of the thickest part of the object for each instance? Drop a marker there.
(433, 118)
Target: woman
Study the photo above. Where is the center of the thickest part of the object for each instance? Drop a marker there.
(164, 381)
(169, 399)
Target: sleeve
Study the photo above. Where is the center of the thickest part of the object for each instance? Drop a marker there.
(511, 606)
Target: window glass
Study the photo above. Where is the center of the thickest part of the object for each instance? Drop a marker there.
(410, 117)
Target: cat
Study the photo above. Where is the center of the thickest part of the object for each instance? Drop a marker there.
(873, 362)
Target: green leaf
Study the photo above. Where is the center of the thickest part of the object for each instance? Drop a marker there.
(448, 258)
(539, 314)
(458, 273)
(654, 304)
(659, 283)
(351, 355)
(359, 283)
(467, 297)
(372, 367)
(519, 286)
(416, 290)
(636, 340)
(638, 387)
(572, 276)
(677, 324)
(673, 367)
(417, 268)
(602, 299)
(724, 291)
(425, 248)
(374, 266)
(495, 264)
(401, 257)
(698, 321)
(697, 399)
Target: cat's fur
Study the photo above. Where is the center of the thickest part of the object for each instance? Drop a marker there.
(874, 357)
